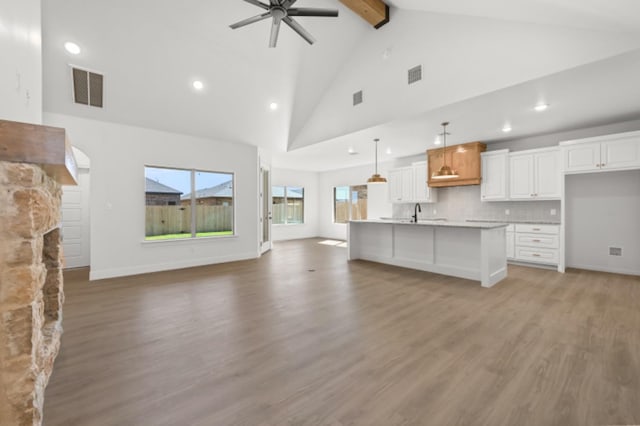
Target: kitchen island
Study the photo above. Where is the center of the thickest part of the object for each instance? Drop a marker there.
(471, 250)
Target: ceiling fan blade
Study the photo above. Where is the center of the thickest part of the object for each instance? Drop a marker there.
(288, 3)
(274, 2)
(258, 3)
(250, 20)
(275, 29)
(308, 11)
(298, 28)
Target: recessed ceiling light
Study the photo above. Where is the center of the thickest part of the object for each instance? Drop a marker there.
(352, 151)
(541, 107)
(72, 48)
(198, 85)
(273, 106)
(438, 141)
(506, 128)
(388, 151)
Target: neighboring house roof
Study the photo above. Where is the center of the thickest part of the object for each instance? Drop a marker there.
(278, 192)
(224, 190)
(154, 187)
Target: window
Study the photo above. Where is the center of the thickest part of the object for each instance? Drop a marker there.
(349, 203)
(187, 203)
(288, 205)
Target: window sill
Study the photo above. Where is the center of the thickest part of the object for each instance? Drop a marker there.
(287, 224)
(187, 240)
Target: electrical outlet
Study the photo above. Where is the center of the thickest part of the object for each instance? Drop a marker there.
(507, 212)
(553, 212)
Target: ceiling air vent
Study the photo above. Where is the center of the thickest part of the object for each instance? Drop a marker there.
(415, 74)
(357, 98)
(87, 87)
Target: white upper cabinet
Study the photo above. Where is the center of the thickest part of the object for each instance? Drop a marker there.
(603, 153)
(395, 186)
(409, 185)
(495, 178)
(422, 193)
(535, 175)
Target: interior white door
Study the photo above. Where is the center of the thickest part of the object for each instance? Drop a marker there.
(75, 222)
(266, 216)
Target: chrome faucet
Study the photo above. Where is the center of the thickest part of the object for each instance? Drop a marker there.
(416, 209)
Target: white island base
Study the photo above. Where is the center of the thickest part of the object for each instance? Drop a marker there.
(466, 250)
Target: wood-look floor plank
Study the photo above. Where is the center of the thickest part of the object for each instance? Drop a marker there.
(303, 337)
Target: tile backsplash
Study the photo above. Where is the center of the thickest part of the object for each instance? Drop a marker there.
(463, 202)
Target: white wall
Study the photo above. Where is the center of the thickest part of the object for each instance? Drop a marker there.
(118, 155)
(310, 182)
(20, 61)
(602, 210)
(552, 139)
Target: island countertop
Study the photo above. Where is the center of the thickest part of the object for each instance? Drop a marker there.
(441, 223)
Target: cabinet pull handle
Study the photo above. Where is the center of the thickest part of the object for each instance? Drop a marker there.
(603, 164)
(536, 229)
(535, 255)
(536, 241)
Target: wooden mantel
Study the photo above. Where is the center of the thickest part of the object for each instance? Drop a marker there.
(45, 146)
(375, 12)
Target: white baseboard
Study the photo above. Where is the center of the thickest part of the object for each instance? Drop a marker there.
(102, 274)
(622, 271)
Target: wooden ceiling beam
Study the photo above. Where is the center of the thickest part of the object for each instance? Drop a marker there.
(375, 12)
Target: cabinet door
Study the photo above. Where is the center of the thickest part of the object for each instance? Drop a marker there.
(582, 157)
(395, 185)
(521, 176)
(511, 245)
(407, 184)
(494, 177)
(547, 175)
(620, 154)
(422, 192)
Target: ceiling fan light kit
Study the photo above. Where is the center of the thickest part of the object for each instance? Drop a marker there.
(281, 11)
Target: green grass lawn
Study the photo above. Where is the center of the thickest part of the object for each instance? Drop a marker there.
(178, 236)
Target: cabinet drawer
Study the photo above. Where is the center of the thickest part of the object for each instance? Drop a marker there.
(537, 240)
(538, 229)
(539, 255)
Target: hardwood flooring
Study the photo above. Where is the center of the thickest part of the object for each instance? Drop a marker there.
(303, 337)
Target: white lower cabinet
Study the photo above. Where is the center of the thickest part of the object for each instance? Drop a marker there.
(537, 243)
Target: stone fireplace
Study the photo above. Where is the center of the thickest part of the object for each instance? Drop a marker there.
(34, 162)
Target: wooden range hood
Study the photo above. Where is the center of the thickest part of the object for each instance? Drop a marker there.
(464, 159)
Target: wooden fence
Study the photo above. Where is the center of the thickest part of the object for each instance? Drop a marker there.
(280, 213)
(358, 211)
(163, 220)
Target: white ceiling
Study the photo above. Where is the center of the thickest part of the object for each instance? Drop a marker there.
(482, 66)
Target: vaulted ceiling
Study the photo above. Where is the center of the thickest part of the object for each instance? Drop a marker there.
(484, 63)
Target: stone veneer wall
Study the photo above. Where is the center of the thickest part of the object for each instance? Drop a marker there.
(31, 289)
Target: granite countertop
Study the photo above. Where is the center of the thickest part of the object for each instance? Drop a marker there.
(509, 221)
(441, 223)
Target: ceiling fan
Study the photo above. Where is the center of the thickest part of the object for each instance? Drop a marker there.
(281, 11)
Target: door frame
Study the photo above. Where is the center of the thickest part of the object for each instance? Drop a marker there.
(265, 200)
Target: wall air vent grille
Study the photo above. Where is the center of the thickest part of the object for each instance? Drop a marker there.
(357, 98)
(615, 251)
(415, 74)
(87, 87)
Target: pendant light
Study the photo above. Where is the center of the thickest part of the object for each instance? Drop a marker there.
(376, 178)
(445, 171)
